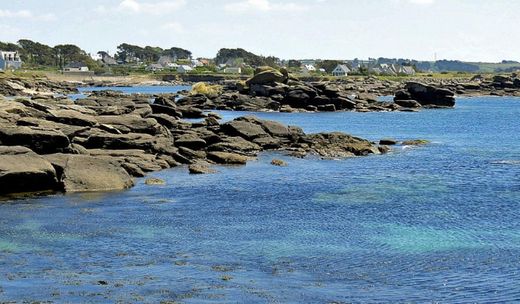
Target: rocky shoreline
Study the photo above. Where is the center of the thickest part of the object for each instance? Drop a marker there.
(49, 143)
(102, 142)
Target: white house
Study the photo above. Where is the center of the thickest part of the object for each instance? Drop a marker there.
(233, 70)
(196, 63)
(408, 70)
(341, 70)
(184, 69)
(10, 60)
(154, 67)
(76, 67)
(308, 68)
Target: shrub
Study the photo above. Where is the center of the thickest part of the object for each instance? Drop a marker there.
(206, 89)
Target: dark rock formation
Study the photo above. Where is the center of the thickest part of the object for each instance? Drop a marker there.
(426, 95)
(99, 143)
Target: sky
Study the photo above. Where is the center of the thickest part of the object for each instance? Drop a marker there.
(469, 30)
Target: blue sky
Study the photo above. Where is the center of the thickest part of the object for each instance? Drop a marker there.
(473, 30)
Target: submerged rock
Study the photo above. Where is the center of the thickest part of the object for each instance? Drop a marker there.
(279, 163)
(201, 168)
(152, 181)
(227, 158)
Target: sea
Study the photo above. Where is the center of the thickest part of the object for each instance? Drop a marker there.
(438, 223)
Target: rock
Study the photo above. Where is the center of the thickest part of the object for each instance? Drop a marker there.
(166, 120)
(279, 163)
(327, 108)
(26, 172)
(71, 117)
(235, 144)
(83, 173)
(15, 150)
(41, 141)
(167, 110)
(367, 96)
(343, 103)
(242, 128)
(152, 181)
(191, 112)
(147, 142)
(163, 101)
(190, 141)
(337, 145)
(428, 95)
(415, 142)
(131, 123)
(408, 103)
(267, 76)
(227, 158)
(201, 168)
(388, 142)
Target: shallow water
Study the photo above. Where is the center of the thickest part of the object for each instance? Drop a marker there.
(130, 90)
(439, 223)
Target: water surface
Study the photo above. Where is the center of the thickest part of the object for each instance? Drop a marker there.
(439, 223)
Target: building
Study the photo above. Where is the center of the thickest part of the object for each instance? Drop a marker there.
(341, 70)
(184, 69)
(233, 70)
(408, 70)
(154, 67)
(76, 67)
(10, 60)
(308, 68)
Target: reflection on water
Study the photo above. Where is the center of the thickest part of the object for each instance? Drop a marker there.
(438, 223)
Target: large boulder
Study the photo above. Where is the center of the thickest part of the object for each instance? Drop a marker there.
(26, 172)
(410, 103)
(191, 141)
(41, 141)
(227, 158)
(337, 145)
(71, 117)
(267, 76)
(245, 129)
(427, 95)
(131, 123)
(83, 173)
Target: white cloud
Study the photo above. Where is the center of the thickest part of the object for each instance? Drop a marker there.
(173, 26)
(26, 14)
(263, 6)
(155, 8)
(15, 14)
(423, 2)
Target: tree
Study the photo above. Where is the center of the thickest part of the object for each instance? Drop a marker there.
(329, 65)
(294, 63)
(36, 53)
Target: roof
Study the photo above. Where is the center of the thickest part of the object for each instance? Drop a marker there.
(186, 67)
(342, 67)
(76, 65)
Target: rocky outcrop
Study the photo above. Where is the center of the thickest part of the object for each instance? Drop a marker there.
(101, 142)
(273, 90)
(25, 172)
(425, 95)
(85, 173)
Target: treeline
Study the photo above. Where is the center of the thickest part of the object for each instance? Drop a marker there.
(127, 53)
(37, 54)
(239, 56)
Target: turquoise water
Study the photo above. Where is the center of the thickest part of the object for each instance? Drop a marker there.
(439, 223)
